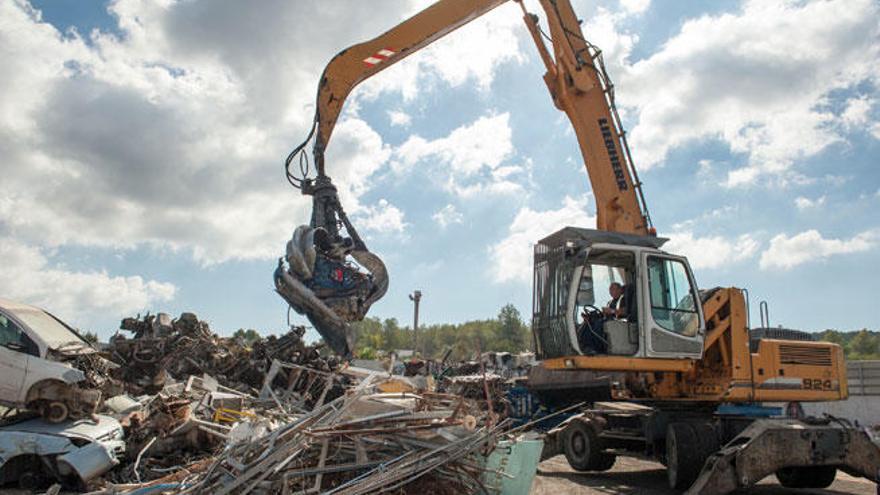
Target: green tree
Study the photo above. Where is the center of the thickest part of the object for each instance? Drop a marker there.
(368, 333)
(249, 336)
(392, 333)
(832, 336)
(864, 345)
(510, 336)
(90, 337)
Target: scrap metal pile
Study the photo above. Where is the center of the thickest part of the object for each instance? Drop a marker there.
(163, 349)
(361, 442)
(207, 414)
(479, 387)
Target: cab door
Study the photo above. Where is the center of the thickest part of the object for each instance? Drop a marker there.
(671, 308)
(14, 357)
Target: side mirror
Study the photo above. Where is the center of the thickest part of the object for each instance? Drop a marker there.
(585, 296)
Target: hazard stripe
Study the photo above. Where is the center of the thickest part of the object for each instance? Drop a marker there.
(379, 56)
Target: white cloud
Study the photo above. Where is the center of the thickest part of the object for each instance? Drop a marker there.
(601, 29)
(758, 80)
(856, 113)
(484, 143)
(399, 118)
(172, 135)
(875, 131)
(787, 252)
(472, 54)
(511, 257)
(803, 203)
(472, 159)
(383, 218)
(447, 216)
(711, 251)
(635, 6)
(28, 276)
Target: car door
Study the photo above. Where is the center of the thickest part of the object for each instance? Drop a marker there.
(15, 347)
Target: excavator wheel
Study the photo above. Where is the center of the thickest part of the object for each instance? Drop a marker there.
(807, 477)
(582, 448)
(684, 458)
(707, 441)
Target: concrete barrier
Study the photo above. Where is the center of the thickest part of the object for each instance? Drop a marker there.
(863, 405)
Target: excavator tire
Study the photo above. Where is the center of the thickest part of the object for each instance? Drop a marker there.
(684, 459)
(707, 441)
(807, 477)
(582, 448)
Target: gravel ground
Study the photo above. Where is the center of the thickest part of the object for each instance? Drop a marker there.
(638, 477)
(634, 476)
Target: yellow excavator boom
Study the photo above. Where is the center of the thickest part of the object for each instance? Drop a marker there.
(575, 77)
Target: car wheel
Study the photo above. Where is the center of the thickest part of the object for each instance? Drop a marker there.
(55, 412)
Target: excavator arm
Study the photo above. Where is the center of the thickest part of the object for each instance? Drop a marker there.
(317, 278)
(359, 62)
(575, 76)
(581, 88)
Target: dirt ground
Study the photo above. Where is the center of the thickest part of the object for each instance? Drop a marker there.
(633, 476)
(638, 477)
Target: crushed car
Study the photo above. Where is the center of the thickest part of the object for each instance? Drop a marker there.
(35, 454)
(46, 366)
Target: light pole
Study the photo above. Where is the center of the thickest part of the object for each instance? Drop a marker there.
(415, 297)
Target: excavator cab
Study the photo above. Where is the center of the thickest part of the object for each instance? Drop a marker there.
(659, 314)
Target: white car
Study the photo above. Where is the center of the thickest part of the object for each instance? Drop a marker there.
(34, 454)
(37, 372)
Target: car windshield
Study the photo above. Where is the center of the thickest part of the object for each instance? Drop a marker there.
(48, 328)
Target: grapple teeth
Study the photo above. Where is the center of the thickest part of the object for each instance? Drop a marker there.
(335, 331)
(318, 282)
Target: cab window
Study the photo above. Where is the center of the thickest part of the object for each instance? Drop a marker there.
(602, 269)
(13, 338)
(673, 298)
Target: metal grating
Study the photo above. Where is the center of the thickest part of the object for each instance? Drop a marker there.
(802, 354)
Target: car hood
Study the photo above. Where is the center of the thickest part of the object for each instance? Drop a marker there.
(73, 348)
(106, 428)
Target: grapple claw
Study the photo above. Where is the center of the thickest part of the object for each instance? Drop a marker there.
(317, 278)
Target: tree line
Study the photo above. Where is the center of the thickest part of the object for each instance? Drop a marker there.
(505, 333)
(857, 345)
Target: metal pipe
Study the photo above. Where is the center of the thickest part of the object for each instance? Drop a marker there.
(415, 297)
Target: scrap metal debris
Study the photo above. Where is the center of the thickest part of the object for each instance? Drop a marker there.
(163, 349)
(361, 442)
(207, 414)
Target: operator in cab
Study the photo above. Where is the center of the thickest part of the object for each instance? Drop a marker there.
(591, 333)
(616, 307)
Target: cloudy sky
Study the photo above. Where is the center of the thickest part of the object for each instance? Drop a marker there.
(142, 144)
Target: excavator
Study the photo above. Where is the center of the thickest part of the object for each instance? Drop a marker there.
(691, 378)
